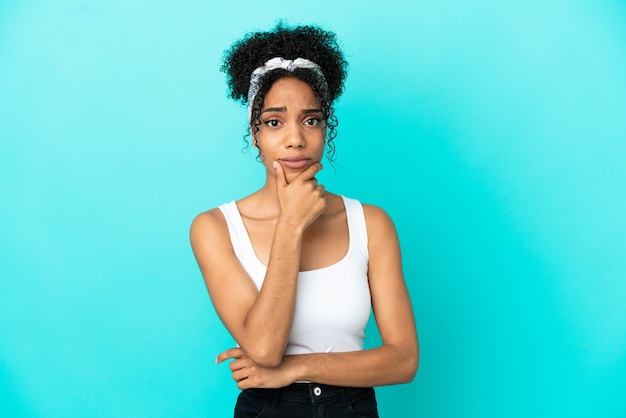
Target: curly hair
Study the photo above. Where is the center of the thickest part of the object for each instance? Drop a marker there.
(309, 42)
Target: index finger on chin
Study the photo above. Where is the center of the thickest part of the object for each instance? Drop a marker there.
(310, 172)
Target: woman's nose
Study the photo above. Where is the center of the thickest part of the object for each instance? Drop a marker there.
(295, 138)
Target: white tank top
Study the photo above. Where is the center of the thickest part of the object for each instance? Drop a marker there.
(332, 303)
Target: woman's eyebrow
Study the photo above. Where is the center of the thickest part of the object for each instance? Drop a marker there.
(284, 109)
(275, 109)
(311, 111)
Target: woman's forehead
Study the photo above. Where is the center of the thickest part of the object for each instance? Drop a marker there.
(289, 92)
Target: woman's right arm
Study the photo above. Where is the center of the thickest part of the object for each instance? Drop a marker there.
(260, 321)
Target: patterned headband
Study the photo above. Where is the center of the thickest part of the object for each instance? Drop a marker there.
(274, 64)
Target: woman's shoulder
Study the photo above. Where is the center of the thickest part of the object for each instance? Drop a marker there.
(208, 224)
(208, 216)
(377, 220)
(215, 217)
(372, 212)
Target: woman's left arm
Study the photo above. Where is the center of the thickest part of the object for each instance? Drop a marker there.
(395, 361)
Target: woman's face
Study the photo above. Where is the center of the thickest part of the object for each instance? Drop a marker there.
(292, 130)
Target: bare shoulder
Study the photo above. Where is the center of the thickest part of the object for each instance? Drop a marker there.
(208, 220)
(379, 223)
(208, 227)
(374, 212)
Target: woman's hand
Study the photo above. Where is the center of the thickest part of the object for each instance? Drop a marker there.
(302, 201)
(249, 375)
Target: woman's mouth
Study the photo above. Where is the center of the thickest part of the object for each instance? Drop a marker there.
(295, 162)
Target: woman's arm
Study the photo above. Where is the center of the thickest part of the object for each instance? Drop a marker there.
(396, 361)
(259, 321)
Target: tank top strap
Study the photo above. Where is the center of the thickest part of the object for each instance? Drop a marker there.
(357, 227)
(238, 234)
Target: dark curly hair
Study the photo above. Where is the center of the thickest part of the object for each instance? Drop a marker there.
(309, 42)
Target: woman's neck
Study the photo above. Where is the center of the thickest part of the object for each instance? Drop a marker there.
(263, 204)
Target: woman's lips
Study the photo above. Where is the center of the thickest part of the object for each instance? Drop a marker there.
(295, 163)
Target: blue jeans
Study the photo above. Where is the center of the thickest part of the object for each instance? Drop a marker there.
(307, 400)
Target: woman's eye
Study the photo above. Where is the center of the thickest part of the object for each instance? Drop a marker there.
(312, 121)
(272, 123)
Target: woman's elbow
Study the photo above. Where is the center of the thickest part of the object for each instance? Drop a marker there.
(409, 366)
(414, 366)
(270, 362)
(265, 358)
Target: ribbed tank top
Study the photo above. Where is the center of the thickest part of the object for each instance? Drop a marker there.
(332, 303)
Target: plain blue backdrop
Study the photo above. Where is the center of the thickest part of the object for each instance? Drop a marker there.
(493, 133)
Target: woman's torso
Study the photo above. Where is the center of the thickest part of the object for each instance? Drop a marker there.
(333, 299)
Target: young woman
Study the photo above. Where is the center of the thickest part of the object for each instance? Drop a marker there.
(293, 270)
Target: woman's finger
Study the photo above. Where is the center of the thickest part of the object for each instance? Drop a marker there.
(230, 353)
(236, 365)
(240, 375)
(281, 178)
(309, 173)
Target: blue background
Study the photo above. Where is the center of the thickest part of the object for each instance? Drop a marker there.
(493, 133)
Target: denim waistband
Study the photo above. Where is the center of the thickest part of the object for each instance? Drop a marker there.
(310, 393)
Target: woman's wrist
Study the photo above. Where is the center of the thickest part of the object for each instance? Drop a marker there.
(286, 225)
(295, 367)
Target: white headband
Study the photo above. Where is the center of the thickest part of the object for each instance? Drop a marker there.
(273, 64)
